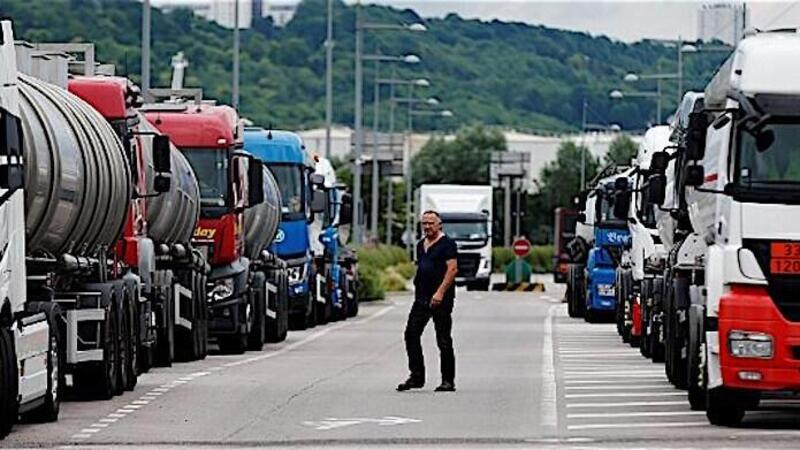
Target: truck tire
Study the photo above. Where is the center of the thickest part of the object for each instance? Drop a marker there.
(724, 407)
(258, 299)
(680, 331)
(203, 310)
(164, 352)
(56, 358)
(123, 337)
(646, 301)
(9, 382)
(619, 305)
(132, 343)
(573, 291)
(236, 343)
(99, 379)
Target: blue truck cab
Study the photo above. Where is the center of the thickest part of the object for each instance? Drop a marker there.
(611, 235)
(285, 155)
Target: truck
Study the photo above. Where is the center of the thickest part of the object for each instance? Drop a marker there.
(563, 233)
(244, 298)
(331, 257)
(285, 155)
(466, 214)
(739, 276)
(595, 287)
(642, 259)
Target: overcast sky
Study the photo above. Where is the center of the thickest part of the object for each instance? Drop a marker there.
(624, 20)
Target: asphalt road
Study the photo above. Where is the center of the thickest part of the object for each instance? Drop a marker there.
(528, 376)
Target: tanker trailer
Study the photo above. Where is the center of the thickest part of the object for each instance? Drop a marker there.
(78, 194)
(157, 237)
(268, 273)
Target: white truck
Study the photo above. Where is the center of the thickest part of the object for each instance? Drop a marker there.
(466, 213)
(740, 178)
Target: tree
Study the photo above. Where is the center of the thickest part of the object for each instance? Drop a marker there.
(621, 150)
(560, 179)
(463, 160)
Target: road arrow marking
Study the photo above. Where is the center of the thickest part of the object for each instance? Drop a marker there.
(332, 423)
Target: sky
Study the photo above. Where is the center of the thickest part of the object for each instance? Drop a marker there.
(624, 20)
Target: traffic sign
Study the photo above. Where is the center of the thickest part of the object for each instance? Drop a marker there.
(521, 247)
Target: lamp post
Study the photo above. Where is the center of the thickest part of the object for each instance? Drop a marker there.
(361, 27)
(235, 88)
(329, 80)
(145, 47)
(617, 94)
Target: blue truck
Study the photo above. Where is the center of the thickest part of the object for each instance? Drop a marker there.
(285, 155)
(610, 236)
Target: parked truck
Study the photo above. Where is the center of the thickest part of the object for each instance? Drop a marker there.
(739, 177)
(643, 257)
(466, 213)
(563, 233)
(234, 222)
(285, 155)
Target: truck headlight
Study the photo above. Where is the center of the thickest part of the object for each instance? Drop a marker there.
(605, 289)
(749, 344)
(223, 288)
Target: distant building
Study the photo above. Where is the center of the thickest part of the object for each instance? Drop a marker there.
(223, 11)
(725, 22)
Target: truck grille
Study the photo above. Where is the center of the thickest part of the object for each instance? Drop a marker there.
(468, 265)
(782, 289)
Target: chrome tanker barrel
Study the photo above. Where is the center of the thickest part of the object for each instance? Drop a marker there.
(171, 216)
(261, 221)
(78, 182)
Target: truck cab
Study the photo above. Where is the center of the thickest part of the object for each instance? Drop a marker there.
(563, 232)
(284, 154)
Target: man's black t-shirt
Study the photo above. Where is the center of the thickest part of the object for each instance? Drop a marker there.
(431, 268)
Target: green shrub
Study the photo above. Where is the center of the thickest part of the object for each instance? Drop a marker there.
(540, 258)
(391, 280)
(369, 287)
(382, 256)
(406, 269)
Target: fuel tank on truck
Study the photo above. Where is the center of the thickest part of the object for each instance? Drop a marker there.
(171, 216)
(261, 221)
(77, 181)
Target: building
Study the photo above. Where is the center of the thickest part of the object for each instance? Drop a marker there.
(725, 22)
(223, 11)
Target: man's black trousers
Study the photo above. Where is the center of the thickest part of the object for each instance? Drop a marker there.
(443, 322)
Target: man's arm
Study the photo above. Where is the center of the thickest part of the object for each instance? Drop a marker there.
(449, 279)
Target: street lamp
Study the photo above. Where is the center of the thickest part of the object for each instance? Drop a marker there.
(361, 26)
(442, 113)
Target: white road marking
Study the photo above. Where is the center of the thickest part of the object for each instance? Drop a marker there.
(619, 388)
(141, 402)
(635, 414)
(614, 382)
(117, 415)
(333, 423)
(90, 430)
(109, 420)
(99, 425)
(548, 407)
(132, 406)
(624, 404)
(627, 394)
(603, 373)
(597, 426)
(621, 376)
(125, 410)
(81, 436)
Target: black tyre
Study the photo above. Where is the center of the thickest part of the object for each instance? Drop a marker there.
(275, 303)
(680, 366)
(164, 353)
(99, 380)
(9, 382)
(237, 343)
(724, 407)
(132, 362)
(202, 321)
(645, 325)
(258, 330)
(123, 337)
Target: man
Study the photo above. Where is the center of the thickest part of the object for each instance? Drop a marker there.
(435, 293)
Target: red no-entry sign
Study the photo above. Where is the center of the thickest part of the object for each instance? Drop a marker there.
(521, 247)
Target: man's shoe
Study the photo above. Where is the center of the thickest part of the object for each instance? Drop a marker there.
(410, 384)
(446, 386)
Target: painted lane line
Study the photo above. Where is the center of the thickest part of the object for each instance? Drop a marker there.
(100, 425)
(109, 420)
(549, 405)
(627, 394)
(635, 414)
(616, 372)
(132, 406)
(597, 426)
(619, 388)
(659, 376)
(126, 410)
(148, 397)
(141, 402)
(81, 436)
(624, 404)
(117, 415)
(614, 382)
(90, 430)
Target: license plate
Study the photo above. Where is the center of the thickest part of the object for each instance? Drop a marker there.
(785, 258)
(606, 290)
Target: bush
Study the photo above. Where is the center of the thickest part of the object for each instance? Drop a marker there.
(391, 280)
(540, 258)
(382, 268)
(369, 286)
(406, 269)
(382, 256)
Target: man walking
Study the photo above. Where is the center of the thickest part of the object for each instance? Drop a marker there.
(435, 293)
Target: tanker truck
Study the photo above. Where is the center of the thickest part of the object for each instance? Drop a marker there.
(244, 293)
(741, 193)
(157, 236)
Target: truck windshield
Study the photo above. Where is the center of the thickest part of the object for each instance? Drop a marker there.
(776, 165)
(466, 231)
(212, 170)
(290, 180)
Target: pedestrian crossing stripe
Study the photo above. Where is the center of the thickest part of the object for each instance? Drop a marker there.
(518, 287)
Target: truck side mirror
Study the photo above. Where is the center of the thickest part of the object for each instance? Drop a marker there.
(346, 210)
(579, 200)
(582, 217)
(621, 184)
(317, 201)
(12, 173)
(622, 204)
(162, 154)
(694, 175)
(255, 177)
(656, 189)
(162, 182)
(696, 136)
(659, 161)
(316, 179)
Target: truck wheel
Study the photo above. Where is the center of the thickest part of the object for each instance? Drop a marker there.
(132, 344)
(282, 306)
(573, 292)
(202, 321)
(680, 364)
(165, 341)
(724, 407)
(258, 299)
(237, 343)
(123, 335)
(99, 379)
(274, 326)
(645, 324)
(9, 382)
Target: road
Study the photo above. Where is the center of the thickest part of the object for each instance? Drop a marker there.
(527, 376)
